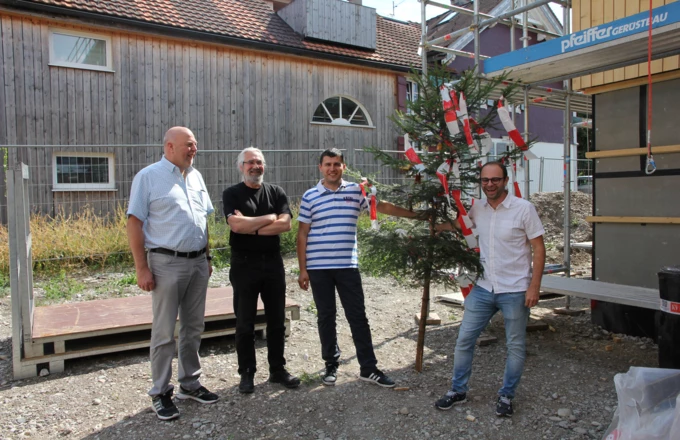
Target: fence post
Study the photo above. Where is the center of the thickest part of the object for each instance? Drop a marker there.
(3, 188)
(540, 175)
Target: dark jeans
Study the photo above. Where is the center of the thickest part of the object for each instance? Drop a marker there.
(348, 282)
(252, 275)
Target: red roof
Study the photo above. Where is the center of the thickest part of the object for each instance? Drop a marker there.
(396, 42)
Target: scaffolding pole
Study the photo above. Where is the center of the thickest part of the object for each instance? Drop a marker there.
(525, 43)
(567, 166)
(490, 20)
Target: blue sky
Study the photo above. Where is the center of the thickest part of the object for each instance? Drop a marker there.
(409, 10)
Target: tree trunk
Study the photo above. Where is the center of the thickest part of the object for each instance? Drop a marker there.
(424, 306)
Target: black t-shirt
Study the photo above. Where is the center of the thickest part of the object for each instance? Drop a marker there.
(267, 199)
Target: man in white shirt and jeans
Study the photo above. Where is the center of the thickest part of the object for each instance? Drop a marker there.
(509, 230)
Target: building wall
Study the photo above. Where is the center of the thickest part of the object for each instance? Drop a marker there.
(545, 124)
(230, 98)
(632, 253)
(589, 13)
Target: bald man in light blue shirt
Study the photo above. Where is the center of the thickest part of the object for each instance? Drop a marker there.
(168, 216)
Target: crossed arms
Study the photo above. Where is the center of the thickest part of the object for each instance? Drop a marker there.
(269, 224)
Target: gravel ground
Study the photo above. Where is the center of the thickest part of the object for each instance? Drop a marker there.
(567, 390)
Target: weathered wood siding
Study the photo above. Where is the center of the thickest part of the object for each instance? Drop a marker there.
(589, 13)
(332, 20)
(230, 98)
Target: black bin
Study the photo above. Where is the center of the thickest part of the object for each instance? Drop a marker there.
(668, 322)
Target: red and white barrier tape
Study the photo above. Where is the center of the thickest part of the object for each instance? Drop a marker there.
(373, 202)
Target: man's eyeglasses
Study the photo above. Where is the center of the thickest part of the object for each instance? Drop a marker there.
(494, 180)
(253, 162)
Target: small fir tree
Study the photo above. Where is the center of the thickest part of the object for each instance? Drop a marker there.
(414, 250)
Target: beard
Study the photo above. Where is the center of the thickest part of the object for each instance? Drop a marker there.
(255, 179)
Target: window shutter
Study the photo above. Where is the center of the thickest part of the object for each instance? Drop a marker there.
(401, 93)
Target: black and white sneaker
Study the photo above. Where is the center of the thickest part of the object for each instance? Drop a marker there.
(450, 399)
(378, 378)
(201, 395)
(504, 406)
(164, 406)
(330, 376)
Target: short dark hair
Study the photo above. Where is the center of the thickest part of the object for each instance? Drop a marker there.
(498, 164)
(331, 152)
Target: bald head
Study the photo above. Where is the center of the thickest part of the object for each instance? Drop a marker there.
(179, 147)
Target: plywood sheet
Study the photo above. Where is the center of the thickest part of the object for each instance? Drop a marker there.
(118, 315)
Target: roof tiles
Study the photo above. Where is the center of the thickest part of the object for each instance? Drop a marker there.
(396, 42)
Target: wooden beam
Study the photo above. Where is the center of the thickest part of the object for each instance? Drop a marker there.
(636, 82)
(646, 220)
(632, 152)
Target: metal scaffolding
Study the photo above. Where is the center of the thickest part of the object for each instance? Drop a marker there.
(533, 94)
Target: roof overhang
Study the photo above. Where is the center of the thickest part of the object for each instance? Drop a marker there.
(615, 44)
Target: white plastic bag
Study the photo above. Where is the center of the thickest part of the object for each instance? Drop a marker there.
(649, 405)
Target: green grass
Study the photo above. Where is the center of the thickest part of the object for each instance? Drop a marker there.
(4, 285)
(308, 379)
(129, 279)
(60, 287)
(311, 308)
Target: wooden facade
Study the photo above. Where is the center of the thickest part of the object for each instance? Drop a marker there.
(589, 13)
(230, 97)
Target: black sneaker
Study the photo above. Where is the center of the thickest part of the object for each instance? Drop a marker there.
(201, 395)
(247, 385)
(378, 378)
(504, 406)
(330, 376)
(284, 378)
(450, 399)
(164, 406)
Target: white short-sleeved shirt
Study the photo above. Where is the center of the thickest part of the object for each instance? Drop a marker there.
(504, 235)
(174, 209)
(333, 216)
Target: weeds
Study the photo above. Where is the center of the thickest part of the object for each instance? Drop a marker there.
(128, 279)
(311, 308)
(61, 288)
(4, 285)
(308, 379)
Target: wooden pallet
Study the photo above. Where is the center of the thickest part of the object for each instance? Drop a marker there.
(69, 331)
(600, 291)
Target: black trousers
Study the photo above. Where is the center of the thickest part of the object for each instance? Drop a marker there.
(254, 275)
(351, 293)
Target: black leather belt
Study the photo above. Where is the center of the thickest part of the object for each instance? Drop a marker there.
(192, 254)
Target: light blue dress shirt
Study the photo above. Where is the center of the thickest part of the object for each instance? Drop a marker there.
(174, 209)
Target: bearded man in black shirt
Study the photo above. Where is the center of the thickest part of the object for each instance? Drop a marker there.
(257, 212)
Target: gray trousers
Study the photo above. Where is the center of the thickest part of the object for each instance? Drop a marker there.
(181, 286)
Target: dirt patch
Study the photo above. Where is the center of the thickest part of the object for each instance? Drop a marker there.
(550, 207)
(569, 367)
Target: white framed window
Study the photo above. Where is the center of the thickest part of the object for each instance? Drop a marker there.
(411, 91)
(411, 94)
(81, 50)
(342, 110)
(83, 172)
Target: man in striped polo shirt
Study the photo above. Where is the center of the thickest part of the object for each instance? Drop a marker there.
(327, 253)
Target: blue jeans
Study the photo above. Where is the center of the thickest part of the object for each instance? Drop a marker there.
(480, 306)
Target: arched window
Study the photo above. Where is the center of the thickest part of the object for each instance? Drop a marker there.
(341, 110)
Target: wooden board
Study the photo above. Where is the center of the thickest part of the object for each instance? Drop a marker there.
(600, 291)
(121, 315)
(640, 220)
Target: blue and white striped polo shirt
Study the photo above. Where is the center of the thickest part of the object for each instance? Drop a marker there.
(333, 215)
